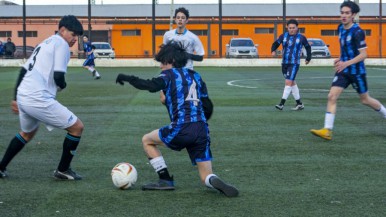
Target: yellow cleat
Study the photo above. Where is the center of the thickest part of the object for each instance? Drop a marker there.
(323, 133)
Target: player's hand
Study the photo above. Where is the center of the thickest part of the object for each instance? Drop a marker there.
(14, 107)
(340, 66)
(120, 79)
(307, 62)
(273, 53)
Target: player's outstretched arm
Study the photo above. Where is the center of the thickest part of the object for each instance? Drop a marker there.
(152, 85)
(208, 107)
(195, 57)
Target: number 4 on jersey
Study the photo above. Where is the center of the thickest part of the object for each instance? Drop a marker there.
(192, 95)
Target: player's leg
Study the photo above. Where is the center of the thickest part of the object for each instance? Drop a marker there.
(29, 127)
(295, 89)
(286, 70)
(361, 88)
(70, 145)
(213, 181)
(373, 103)
(150, 142)
(326, 131)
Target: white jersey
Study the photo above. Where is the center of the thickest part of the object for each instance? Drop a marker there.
(189, 40)
(38, 87)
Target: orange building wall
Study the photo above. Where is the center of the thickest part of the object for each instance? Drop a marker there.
(129, 46)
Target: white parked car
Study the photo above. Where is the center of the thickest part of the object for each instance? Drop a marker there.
(103, 50)
(241, 47)
(318, 48)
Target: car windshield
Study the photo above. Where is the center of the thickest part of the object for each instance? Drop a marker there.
(316, 43)
(102, 46)
(242, 43)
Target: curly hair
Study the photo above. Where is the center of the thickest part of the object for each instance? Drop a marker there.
(172, 53)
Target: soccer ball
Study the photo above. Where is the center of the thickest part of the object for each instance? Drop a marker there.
(124, 175)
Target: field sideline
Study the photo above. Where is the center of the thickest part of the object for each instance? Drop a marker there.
(278, 166)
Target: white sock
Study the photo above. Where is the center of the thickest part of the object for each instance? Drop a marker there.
(329, 120)
(158, 163)
(382, 111)
(97, 74)
(91, 69)
(286, 92)
(295, 92)
(207, 183)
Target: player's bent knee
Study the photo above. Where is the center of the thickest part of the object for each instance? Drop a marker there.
(77, 128)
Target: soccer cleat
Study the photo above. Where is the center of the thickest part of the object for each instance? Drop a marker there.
(323, 133)
(3, 174)
(280, 106)
(67, 175)
(160, 185)
(298, 107)
(227, 190)
(97, 77)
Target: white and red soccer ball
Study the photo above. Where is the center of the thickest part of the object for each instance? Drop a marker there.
(124, 175)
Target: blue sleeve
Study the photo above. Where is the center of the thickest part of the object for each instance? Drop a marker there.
(359, 38)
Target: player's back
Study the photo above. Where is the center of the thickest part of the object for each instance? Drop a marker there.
(184, 89)
(53, 54)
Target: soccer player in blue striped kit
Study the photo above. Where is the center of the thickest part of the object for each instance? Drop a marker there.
(187, 101)
(350, 68)
(292, 42)
(89, 63)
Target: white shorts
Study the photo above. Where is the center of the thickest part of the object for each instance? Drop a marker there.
(55, 115)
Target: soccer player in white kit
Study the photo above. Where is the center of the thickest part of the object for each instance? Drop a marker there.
(189, 40)
(39, 80)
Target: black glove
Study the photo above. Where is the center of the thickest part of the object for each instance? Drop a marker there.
(122, 77)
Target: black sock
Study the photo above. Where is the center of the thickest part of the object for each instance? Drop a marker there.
(69, 148)
(299, 102)
(282, 102)
(16, 144)
(164, 174)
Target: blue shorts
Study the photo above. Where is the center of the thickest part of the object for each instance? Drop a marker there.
(358, 82)
(89, 62)
(192, 136)
(289, 71)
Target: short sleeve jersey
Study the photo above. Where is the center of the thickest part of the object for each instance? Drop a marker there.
(87, 47)
(189, 40)
(351, 41)
(292, 47)
(184, 88)
(38, 86)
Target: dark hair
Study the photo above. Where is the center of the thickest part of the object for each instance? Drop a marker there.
(182, 10)
(72, 24)
(292, 21)
(172, 53)
(352, 5)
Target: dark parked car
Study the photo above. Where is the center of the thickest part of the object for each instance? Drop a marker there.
(19, 52)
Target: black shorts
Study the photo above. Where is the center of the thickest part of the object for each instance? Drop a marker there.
(192, 136)
(289, 71)
(358, 82)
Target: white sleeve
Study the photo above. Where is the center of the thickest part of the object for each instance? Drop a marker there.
(198, 48)
(166, 38)
(61, 57)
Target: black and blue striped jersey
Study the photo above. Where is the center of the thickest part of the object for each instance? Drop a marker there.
(87, 47)
(183, 90)
(351, 41)
(292, 47)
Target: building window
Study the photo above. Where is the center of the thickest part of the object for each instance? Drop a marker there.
(200, 32)
(160, 31)
(6, 34)
(33, 34)
(328, 32)
(230, 32)
(367, 32)
(134, 32)
(302, 30)
(263, 30)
